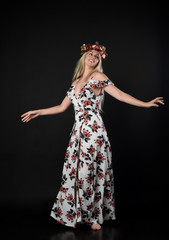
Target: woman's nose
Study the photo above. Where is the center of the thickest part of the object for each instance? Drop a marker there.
(92, 57)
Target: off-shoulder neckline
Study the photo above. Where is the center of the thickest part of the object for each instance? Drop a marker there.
(93, 80)
(90, 80)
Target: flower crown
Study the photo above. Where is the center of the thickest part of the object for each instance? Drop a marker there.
(100, 48)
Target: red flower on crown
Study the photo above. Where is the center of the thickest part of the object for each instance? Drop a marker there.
(100, 48)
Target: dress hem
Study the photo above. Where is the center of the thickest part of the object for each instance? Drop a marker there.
(79, 222)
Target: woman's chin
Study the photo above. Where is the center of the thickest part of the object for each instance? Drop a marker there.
(91, 65)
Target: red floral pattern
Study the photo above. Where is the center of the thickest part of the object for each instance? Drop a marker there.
(88, 163)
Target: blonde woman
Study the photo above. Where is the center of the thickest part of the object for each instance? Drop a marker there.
(86, 194)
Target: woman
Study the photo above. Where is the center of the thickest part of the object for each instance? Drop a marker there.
(86, 194)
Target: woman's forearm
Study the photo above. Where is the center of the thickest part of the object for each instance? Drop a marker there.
(124, 97)
(50, 111)
(56, 109)
(127, 98)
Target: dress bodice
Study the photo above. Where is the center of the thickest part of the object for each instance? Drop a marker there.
(87, 99)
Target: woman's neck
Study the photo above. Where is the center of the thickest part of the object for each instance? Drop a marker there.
(87, 71)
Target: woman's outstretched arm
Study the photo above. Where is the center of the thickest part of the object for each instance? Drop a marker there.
(125, 97)
(26, 117)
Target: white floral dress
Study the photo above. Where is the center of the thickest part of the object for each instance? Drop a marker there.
(86, 194)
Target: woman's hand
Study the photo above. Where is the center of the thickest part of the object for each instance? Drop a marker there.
(155, 102)
(26, 117)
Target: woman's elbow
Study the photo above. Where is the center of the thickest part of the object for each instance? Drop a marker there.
(62, 108)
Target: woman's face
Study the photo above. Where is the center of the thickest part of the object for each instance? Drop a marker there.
(92, 58)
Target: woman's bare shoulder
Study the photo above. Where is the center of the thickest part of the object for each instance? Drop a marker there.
(100, 76)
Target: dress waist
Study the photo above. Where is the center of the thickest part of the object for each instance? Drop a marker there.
(86, 111)
(82, 114)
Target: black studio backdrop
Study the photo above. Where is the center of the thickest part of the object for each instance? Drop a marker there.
(40, 46)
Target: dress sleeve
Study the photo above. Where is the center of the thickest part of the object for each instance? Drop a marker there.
(104, 83)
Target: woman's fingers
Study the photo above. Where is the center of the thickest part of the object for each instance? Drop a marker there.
(29, 115)
(160, 97)
(158, 100)
(161, 102)
(25, 119)
(25, 114)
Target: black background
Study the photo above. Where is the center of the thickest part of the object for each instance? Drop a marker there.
(40, 45)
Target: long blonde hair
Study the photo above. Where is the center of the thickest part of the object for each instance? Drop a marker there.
(79, 70)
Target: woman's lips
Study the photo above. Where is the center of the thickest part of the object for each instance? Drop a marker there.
(91, 61)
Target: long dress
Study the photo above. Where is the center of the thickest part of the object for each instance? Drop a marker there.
(86, 194)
